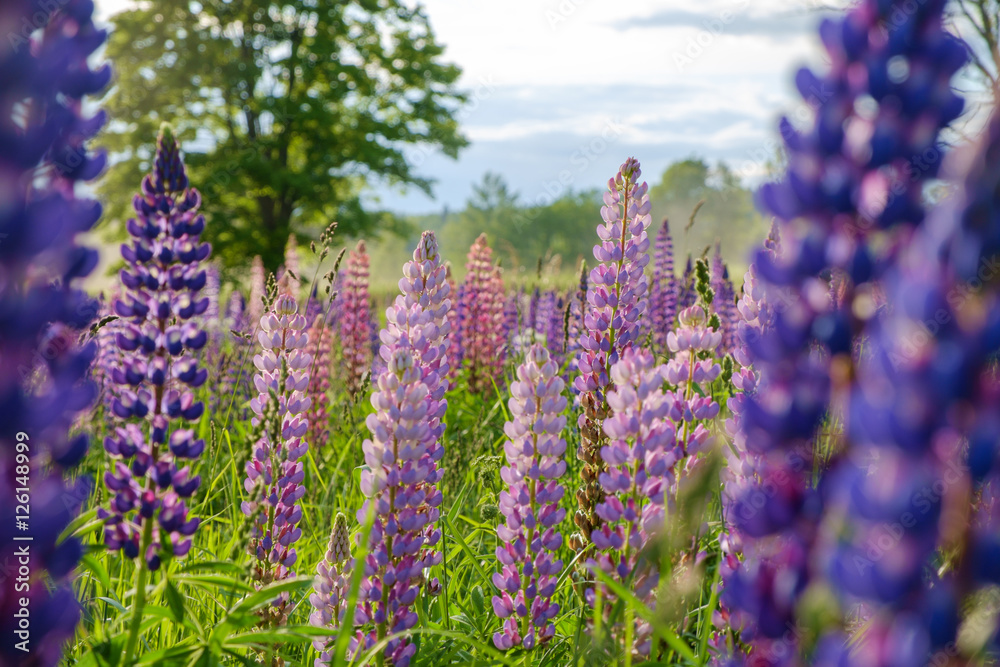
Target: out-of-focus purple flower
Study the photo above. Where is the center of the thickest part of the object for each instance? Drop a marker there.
(275, 472)
(161, 337)
(848, 203)
(616, 301)
(640, 458)
(530, 504)
(686, 294)
(663, 289)
(483, 302)
(355, 320)
(724, 304)
(331, 588)
(258, 287)
(289, 280)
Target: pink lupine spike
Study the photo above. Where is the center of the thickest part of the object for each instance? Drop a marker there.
(355, 319)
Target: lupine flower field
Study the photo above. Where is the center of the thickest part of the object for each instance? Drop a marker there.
(654, 465)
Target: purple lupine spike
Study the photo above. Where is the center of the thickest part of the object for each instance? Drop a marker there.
(686, 294)
(574, 327)
(938, 386)
(275, 472)
(400, 484)
(555, 336)
(483, 306)
(331, 588)
(109, 354)
(663, 289)
(355, 320)
(724, 303)
(848, 202)
(616, 301)
(640, 458)
(43, 155)
(398, 466)
(692, 374)
(530, 537)
(162, 311)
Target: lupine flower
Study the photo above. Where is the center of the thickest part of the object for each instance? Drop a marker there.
(616, 301)
(530, 536)
(573, 327)
(258, 288)
(455, 319)
(43, 154)
(355, 319)
(640, 457)
(853, 171)
(483, 302)
(275, 471)
(923, 406)
(394, 487)
(320, 348)
(686, 294)
(161, 336)
(724, 303)
(288, 276)
(109, 355)
(400, 482)
(663, 289)
(331, 588)
(691, 373)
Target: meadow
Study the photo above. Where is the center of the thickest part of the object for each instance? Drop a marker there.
(644, 464)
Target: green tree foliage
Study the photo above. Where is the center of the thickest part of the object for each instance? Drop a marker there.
(288, 110)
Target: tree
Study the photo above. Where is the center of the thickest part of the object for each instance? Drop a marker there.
(288, 110)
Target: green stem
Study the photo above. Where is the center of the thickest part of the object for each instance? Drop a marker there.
(139, 602)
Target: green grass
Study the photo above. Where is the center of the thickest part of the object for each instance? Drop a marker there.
(201, 609)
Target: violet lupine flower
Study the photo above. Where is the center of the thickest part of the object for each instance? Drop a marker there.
(860, 167)
(275, 472)
(483, 301)
(530, 535)
(724, 304)
(43, 154)
(924, 405)
(109, 355)
(640, 457)
(331, 588)
(393, 484)
(691, 374)
(355, 320)
(686, 294)
(663, 288)
(455, 318)
(616, 301)
(161, 336)
(258, 288)
(401, 481)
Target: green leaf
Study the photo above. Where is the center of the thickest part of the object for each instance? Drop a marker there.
(175, 601)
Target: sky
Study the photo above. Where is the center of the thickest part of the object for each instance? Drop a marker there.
(562, 91)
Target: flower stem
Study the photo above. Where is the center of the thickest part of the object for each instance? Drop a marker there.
(139, 601)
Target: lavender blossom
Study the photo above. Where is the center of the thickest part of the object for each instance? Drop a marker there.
(275, 472)
(530, 535)
(43, 155)
(161, 336)
(400, 482)
(616, 301)
(331, 588)
(640, 457)
(663, 289)
(853, 172)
